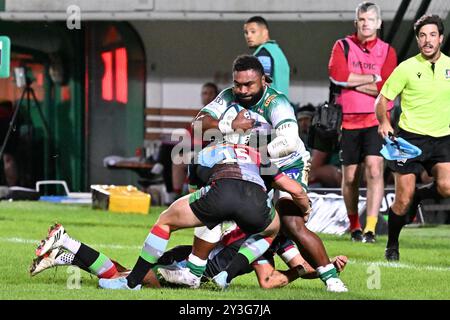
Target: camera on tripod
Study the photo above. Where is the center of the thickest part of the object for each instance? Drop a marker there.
(23, 76)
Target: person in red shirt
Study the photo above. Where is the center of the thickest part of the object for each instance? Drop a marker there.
(359, 65)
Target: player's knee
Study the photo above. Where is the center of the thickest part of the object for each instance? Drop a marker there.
(350, 181)
(167, 220)
(374, 173)
(443, 188)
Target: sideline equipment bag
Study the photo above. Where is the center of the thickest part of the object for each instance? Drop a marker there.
(326, 127)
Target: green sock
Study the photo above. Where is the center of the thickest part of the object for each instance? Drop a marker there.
(196, 265)
(327, 272)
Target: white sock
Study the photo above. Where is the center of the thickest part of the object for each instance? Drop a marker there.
(64, 259)
(197, 261)
(324, 269)
(71, 244)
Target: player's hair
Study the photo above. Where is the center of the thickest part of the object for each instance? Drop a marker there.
(367, 6)
(429, 19)
(211, 85)
(246, 62)
(259, 20)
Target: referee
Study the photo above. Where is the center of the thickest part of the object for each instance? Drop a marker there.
(423, 83)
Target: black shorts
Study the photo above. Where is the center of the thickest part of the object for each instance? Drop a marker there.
(176, 254)
(359, 143)
(243, 202)
(434, 150)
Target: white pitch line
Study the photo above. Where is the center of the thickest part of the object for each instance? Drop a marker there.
(398, 265)
(99, 245)
(384, 264)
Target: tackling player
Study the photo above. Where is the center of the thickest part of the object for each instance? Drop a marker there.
(234, 186)
(68, 251)
(286, 151)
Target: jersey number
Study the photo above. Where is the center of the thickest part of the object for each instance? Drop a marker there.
(241, 155)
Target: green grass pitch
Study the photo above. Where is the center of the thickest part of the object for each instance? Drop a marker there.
(423, 271)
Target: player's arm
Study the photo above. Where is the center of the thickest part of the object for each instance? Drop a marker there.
(282, 182)
(299, 195)
(268, 277)
(381, 104)
(206, 121)
(283, 119)
(303, 269)
(151, 280)
(286, 142)
(209, 116)
(299, 268)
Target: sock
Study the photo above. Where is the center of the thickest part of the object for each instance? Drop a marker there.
(154, 246)
(71, 244)
(250, 250)
(69, 259)
(354, 221)
(428, 191)
(254, 247)
(327, 272)
(77, 262)
(371, 224)
(395, 225)
(65, 259)
(289, 253)
(138, 273)
(196, 265)
(97, 262)
(425, 192)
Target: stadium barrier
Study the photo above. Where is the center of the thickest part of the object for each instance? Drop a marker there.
(329, 214)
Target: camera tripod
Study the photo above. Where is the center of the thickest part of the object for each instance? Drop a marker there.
(27, 92)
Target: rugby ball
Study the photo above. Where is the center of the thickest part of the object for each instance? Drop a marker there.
(239, 136)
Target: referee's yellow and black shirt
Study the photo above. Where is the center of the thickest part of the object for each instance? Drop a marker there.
(425, 95)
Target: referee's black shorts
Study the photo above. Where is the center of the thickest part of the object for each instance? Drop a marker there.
(434, 150)
(243, 202)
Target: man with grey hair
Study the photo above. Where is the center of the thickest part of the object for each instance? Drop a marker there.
(358, 67)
